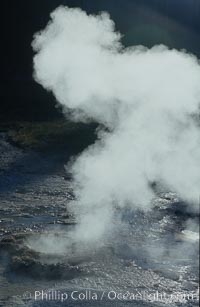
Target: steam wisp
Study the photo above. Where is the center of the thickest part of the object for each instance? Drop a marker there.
(148, 100)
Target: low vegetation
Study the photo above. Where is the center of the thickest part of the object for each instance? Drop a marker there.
(51, 136)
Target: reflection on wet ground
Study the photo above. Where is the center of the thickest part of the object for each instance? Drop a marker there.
(145, 252)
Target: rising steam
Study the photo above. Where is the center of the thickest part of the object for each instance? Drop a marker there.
(148, 100)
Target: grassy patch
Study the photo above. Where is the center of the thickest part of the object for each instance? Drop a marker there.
(53, 136)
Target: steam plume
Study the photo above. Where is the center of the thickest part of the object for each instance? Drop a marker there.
(147, 99)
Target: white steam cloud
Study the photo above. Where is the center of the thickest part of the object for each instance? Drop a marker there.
(147, 98)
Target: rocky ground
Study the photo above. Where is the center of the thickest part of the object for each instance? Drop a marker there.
(145, 253)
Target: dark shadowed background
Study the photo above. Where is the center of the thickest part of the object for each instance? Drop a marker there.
(175, 23)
